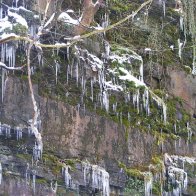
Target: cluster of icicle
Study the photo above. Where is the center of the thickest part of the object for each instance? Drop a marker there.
(148, 183)
(186, 9)
(173, 173)
(67, 176)
(30, 177)
(94, 176)
(8, 50)
(176, 172)
(115, 83)
(83, 58)
(97, 176)
(5, 130)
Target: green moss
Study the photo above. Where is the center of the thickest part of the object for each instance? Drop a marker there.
(187, 69)
(26, 157)
(159, 92)
(131, 172)
(134, 187)
(24, 77)
(53, 163)
(156, 189)
(19, 29)
(134, 173)
(41, 181)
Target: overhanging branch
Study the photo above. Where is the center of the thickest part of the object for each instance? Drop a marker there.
(2, 65)
(74, 40)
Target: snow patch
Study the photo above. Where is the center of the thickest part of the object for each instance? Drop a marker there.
(64, 17)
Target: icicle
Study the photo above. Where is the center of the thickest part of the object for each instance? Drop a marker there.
(180, 48)
(33, 30)
(67, 176)
(181, 23)
(189, 132)
(0, 129)
(107, 49)
(37, 152)
(18, 133)
(39, 56)
(146, 101)
(57, 67)
(138, 101)
(86, 172)
(54, 188)
(161, 103)
(34, 180)
(175, 128)
(105, 100)
(91, 89)
(114, 106)
(148, 182)
(1, 171)
(2, 84)
(163, 2)
(16, 3)
(29, 131)
(7, 131)
(68, 71)
(78, 107)
(161, 140)
(134, 100)
(105, 20)
(98, 176)
(1, 13)
(10, 55)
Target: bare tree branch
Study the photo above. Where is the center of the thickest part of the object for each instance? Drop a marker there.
(36, 111)
(76, 39)
(2, 65)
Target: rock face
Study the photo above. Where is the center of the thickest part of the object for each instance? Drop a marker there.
(72, 132)
(75, 132)
(14, 187)
(183, 86)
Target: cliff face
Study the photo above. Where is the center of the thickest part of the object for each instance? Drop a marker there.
(75, 133)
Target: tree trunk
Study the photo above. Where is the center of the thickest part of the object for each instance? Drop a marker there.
(89, 11)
